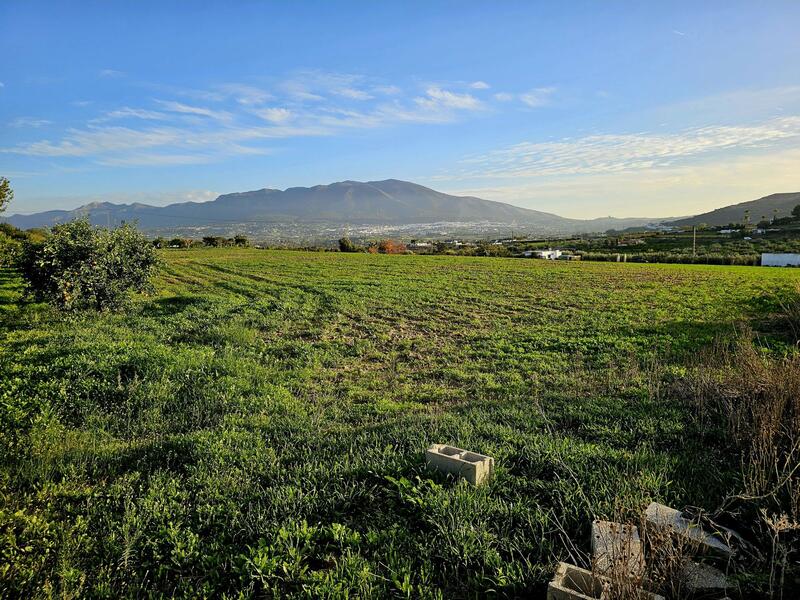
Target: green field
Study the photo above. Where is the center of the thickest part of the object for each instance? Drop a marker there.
(258, 426)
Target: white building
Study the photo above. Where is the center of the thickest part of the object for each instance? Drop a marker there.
(780, 260)
(546, 254)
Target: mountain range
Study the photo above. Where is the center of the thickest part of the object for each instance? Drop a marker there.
(389, 202)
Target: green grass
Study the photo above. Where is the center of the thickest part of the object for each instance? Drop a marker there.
(258, 426)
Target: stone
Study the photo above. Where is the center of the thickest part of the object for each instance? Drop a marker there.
(699, 578)
(660, 515)
(573, 583)
(617, 549)
(475, 468)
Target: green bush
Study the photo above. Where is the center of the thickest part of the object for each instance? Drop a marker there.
(79, 266)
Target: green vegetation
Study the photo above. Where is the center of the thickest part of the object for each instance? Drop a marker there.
(258, 426)
(78, 266)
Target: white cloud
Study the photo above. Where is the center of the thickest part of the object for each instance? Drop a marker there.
(247, 95)
(634, 151)
(504, 97)
(672, 191)
(438, 99)
(110, 73)
(28, 122)
(353, 93)
(234, 120)
(479, 85)
(274, 115)
(186, 109)
(538, 97)
(387, 90)
(127, 112)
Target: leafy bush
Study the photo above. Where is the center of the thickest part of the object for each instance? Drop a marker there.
(347, 245)
(79, 266)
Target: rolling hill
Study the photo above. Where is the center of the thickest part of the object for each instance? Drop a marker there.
(735, 213)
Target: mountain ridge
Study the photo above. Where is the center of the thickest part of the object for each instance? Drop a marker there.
(765, 206)
(389, 201)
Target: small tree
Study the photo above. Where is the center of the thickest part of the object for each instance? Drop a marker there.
(391, 247)
(213, 241)
(179, 243)
(240, 240)
(347, 245)
(79, 266)
(6, 193)
(796, 212)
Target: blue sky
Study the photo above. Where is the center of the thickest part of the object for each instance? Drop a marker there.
(579, 108)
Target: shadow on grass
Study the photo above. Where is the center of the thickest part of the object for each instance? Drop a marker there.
(170, 307)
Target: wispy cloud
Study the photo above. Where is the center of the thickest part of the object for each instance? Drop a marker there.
(603, 153)
(241, 118)
(111, 73)
(127, 112)
(479, 85)
(28, 122)
(437, 99)
(538, 97)
(669, 191)
(186, 109)
(247, 95)
(275, 115)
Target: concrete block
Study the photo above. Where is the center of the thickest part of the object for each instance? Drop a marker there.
(475, 468)
(700, 578)
(573, 583)
(659, 515)
(617, 549)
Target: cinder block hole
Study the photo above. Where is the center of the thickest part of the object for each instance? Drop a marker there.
(449, 451)
(472, 457)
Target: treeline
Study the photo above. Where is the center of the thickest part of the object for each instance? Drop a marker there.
(674, 257)
(211, 241)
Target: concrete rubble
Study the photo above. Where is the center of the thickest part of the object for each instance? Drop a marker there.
(618, 555)
(699, 578)
(662, 516)
(475, 468)
(616, 548)
(573, 583)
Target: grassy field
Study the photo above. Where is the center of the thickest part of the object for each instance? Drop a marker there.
(258, 426)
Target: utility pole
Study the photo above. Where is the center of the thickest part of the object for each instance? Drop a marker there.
(694, 241)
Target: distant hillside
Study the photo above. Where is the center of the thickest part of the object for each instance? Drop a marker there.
(763, 207)
(390, 202)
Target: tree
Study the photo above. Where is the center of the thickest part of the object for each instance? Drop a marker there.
(213, 241)
(6, 193)
(391, 247)
(179, 243)
(240, 240)
(79, 266)
(796, 212)
(347, 245)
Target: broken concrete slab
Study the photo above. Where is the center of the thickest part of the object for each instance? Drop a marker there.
(573, 583)
(699, 578)
(475, 468)
(617, 549)
(660, 515)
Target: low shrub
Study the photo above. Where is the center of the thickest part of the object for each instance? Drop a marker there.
(79, 266)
